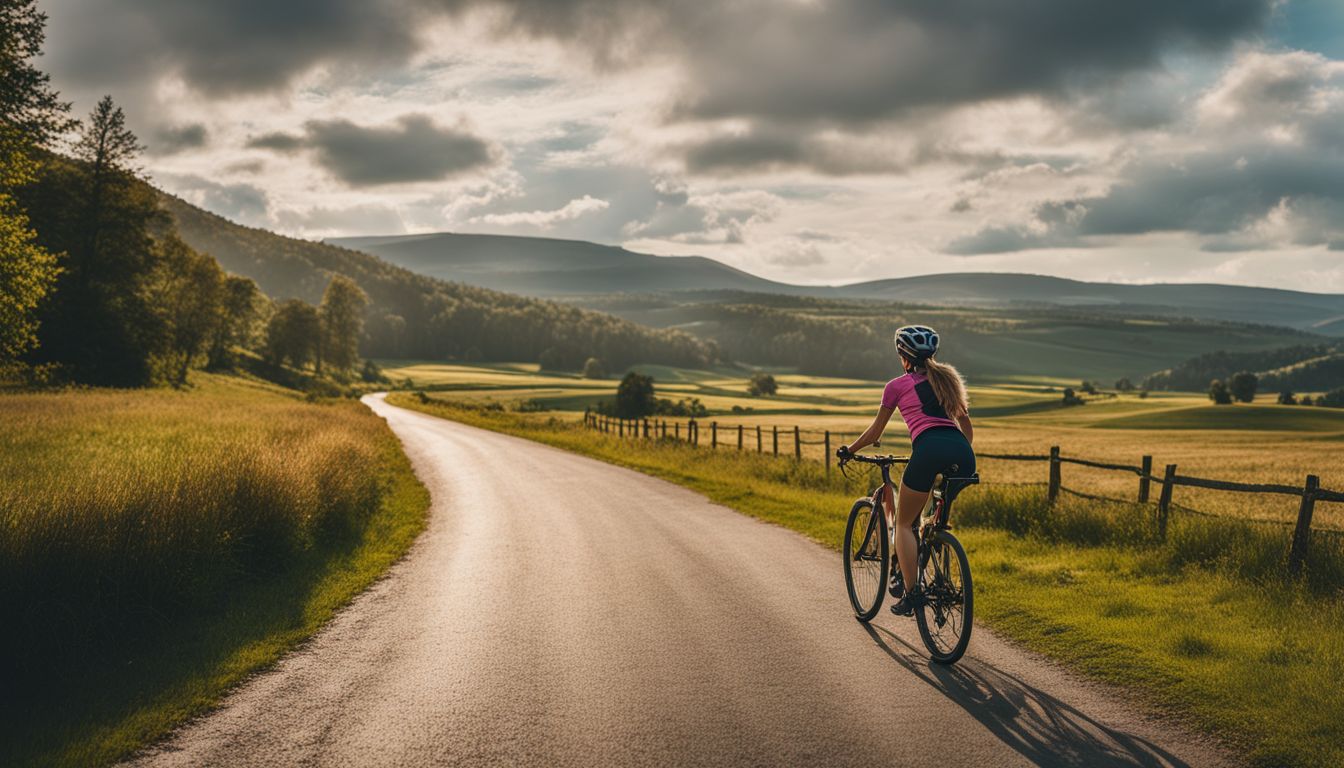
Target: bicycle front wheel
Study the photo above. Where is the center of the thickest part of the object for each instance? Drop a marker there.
(867, 557)
(945, 620)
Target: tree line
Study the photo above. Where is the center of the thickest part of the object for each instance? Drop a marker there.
(96, 286)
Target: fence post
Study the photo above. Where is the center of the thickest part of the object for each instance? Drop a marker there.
(676, 431)
(693, 432)
(774, 432)
(1297, 555)
(1053, 492)
(797, 443)
(758, 438)
(713, 434)
(827, 457)
(622, 428)
(1145, 479)
(646, 429)
(739, 437)
(1164, 500)
(662, 428)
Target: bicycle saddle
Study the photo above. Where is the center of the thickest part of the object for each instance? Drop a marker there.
(954, 485)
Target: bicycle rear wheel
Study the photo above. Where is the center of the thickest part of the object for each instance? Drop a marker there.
(945, 621)
(867, 557)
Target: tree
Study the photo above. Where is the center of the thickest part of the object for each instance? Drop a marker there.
(27, 274)
(242, 306)
(1286, 398)
(1087, 388)
(1243, 386)
(1332, 399)
(342, 318)
(188, 292)
(1306, 400)
(635, 396)
(292, 333)
(98, 324)
(1124, 385)
(1072, 398)
(31, 116)
(593, 369)
(30, 110)
(762, 385)
(1219, 393)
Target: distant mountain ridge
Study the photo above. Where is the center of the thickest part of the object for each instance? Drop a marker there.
(572, 268)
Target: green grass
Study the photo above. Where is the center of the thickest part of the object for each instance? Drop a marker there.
(1200, 628)
(159, 546)
(1250, 417)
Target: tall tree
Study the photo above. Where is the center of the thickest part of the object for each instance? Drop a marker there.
(635, 397)
(342, 315)
(1243, 386)
(99, 324)
(292, 333)
(31, 115)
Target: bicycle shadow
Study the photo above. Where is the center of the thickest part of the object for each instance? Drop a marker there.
(1038, 726)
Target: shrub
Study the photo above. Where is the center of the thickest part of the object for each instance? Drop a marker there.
(691, 407)
(593, 369)
(1287, 398)
(1072, 398)
(1242, 386)
(1219, 393)
(635, 397)
(1332, 399)
(762, 385)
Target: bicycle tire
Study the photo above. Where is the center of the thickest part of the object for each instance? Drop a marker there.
(866, 585)
(943, 588)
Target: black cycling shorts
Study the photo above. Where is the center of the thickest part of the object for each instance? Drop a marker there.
(936, 449)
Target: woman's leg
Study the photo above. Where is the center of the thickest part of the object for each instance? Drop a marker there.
(908, 506)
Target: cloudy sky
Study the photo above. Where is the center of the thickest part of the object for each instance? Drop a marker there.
(814, 141)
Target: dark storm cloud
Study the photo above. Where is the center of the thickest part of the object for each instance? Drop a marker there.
(840, 60)
(225, 46)
(176, 138)
(412, 149)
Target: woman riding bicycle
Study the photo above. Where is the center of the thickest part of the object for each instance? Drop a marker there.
(932, 400)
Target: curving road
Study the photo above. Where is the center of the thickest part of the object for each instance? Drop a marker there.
(560, 611)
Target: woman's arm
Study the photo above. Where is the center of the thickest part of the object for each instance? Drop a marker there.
(874, 430)
(964, 421)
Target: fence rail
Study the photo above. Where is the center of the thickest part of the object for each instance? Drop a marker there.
(1309, 493)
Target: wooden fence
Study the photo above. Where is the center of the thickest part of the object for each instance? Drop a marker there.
(742, 437)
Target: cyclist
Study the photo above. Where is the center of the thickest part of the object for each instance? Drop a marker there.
(932, 400)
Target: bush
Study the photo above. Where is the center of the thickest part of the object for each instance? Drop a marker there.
(1219, 393)
(1124, 385)
(371, 373)
(1287, 398)
(762, 385)
(634, 397)
(1332, 399)
(593, 369)
(1072, 398)
(691, 408)
(1087, 388)
(1243, 386)
(1306, 400)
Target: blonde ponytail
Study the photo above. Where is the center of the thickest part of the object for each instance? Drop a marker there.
(948, 387)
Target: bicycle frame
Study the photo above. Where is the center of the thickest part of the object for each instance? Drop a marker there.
(937, 519)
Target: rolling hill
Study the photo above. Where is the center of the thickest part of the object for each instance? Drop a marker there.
(575, 269)
(412, 315)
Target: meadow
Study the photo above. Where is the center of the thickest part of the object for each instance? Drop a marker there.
(1200, 627)
(1260, 442)
(157, 546)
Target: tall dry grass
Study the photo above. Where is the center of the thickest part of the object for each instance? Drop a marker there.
(123, 511)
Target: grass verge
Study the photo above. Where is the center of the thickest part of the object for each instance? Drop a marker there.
(1188, 627)
(156, 547)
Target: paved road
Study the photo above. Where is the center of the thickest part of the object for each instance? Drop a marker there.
(560, 611)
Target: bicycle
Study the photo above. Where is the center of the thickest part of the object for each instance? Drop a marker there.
(944, 573)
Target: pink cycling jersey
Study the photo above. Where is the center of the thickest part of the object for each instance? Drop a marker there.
(920, 413)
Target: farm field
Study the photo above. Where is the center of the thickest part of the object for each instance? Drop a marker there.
(157, 546)
(1260, 442)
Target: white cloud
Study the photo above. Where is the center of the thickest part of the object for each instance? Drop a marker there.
(545, 219)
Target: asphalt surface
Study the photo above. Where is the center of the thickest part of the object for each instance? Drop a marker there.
(559, 611)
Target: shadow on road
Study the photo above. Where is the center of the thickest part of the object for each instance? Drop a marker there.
(1042, 728)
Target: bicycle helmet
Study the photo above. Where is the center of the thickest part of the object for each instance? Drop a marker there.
(917, 342)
